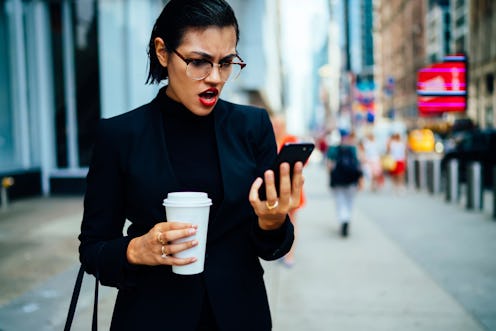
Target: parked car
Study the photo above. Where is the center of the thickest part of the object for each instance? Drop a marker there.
(474, 145)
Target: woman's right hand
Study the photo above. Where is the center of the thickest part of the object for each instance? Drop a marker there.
(157, 248)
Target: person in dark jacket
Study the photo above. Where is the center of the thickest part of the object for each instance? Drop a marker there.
(188, 139)
(345, 177)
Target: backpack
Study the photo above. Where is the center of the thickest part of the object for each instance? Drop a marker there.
(346, 170)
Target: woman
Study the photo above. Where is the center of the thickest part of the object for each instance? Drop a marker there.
(396, 147)
(187, 139)
(372, 161)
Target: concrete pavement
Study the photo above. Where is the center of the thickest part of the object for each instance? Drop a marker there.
(388, 275)
(412, 262)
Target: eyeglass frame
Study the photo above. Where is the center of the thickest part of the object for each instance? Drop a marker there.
(186, 60)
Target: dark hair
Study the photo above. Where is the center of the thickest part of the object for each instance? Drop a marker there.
(180, 15)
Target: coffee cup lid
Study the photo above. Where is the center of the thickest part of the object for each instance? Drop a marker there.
(179, 199)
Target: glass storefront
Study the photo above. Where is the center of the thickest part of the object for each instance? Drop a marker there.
(87, 74)
(7, 149)
(76, 80)
(53, 90)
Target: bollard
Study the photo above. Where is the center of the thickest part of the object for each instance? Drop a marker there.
(474, 186)
(420, 173)
(433, 175)
(6, 183)
(436, 176)
(452, 181)
(410, 172)
(429, 166)
(417, 173)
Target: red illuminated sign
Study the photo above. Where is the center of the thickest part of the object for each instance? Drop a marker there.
(430, 105)
(441, 87)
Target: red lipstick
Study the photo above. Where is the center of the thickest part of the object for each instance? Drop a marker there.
(208, 98)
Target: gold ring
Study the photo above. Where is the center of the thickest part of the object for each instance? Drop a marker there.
(159, 238)
(269, 207)
(164, 255)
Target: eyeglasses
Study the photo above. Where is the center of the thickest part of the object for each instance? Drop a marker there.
(199, 69)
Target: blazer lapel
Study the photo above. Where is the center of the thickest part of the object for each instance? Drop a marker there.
(223, 146)
(167, 177)
(235, 171)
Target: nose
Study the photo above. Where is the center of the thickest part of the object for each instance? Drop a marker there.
(214, 75)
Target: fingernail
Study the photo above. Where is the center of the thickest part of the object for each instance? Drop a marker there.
(193, 259)
(194, 243)
(191, 231)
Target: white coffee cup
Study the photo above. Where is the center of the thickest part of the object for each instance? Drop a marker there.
(194, 208)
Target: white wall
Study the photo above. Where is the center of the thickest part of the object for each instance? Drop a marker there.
(124, 30)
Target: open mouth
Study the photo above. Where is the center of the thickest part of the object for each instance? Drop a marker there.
(209, 97)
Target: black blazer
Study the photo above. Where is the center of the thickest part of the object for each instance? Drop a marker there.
(130, 175)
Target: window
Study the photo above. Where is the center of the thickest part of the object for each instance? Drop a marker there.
(83, 68)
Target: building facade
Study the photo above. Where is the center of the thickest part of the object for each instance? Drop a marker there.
(411, 34)
(438, 30)
(459, 26)
(482, 62)
(401, 51)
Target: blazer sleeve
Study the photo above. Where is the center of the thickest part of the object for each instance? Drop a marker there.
(102, 244)
(270, 244)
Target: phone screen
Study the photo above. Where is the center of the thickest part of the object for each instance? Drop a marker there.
(290, 153)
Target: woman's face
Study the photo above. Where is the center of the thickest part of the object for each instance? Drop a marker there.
(215, 44)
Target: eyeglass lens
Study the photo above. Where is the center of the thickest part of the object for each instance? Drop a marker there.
(200, 69)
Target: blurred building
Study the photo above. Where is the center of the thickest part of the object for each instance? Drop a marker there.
(64, 64)
(304, 49)
(351, 52)
(459, 25)
(400, 51)
(329, 73)
(411, 34)
(362, 61)
(482, 61)
(438, 30)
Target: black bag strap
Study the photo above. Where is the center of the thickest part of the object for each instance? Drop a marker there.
(94, 323)
(74, 299)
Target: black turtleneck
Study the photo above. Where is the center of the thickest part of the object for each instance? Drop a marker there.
(192, 148)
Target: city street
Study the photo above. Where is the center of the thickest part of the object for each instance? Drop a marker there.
(411, 262)
(133, 88)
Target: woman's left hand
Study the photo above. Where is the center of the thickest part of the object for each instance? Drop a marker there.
(272, 212)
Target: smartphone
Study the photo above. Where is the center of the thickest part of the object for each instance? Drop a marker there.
(290, 153)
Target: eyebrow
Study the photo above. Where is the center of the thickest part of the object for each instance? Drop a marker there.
(210, 57)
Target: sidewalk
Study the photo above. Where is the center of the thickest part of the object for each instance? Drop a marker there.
(402, 268)
(367, 281)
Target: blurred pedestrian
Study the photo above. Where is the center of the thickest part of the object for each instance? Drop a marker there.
(397, 149)
(187, 139)
(283, 137)
(372, 162)
(322, 144)
(345, 177)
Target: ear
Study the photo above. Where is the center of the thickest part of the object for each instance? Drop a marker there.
(161, 51)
